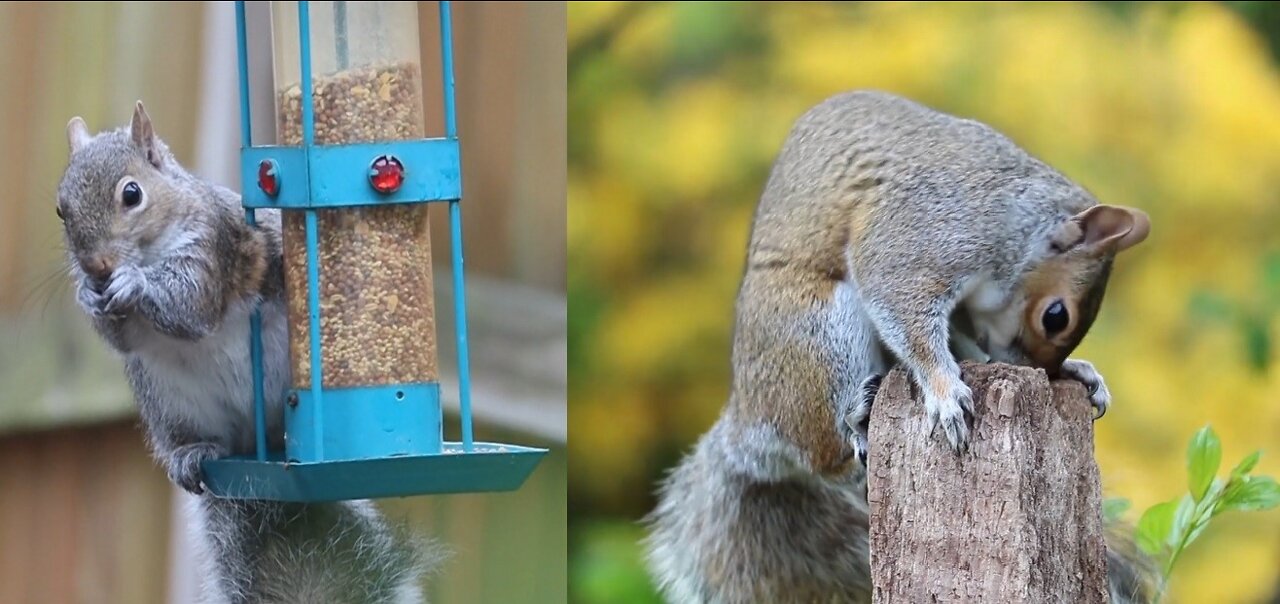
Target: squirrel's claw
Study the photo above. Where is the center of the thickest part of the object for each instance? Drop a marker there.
(185, 464)
(1098, 402)
(869, 389)
(1085, 373)
(89, 298)
(126, 286)
(857, 418)
(860, 448)
(954, 414)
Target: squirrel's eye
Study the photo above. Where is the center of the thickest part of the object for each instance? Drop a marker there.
(1055, 318)
(58, 209)
(131, 194)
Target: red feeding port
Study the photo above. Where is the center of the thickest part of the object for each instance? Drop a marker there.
(386, 174)
(268, 177)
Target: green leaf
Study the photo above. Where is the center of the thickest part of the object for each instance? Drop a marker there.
(1208, 306)
(1203, 458)
(1271, 277)
(1182, 520)
(1205, 511)
(1258, 493)
(1257, 342)
(1211, 505)
(1196, 528)
(1232, 492)
(1113, 509)
(1215, 492)
(1246, 465)
(1153, 527)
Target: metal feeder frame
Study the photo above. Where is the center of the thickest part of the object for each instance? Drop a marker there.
(313, 176)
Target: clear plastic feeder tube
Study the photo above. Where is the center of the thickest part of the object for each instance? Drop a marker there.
(377, 320)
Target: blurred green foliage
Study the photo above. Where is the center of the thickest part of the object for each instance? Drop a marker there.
(1167, 529)
(678, 109)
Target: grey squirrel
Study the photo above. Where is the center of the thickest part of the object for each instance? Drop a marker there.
(887, 233)
(169, 272)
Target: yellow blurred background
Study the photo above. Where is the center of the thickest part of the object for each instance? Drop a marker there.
(677, 111)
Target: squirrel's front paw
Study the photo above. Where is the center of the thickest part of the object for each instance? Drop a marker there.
(1084, 372)
(953, 412)
(125, 289)
(184, 464)
(91, 297)
(90, 300)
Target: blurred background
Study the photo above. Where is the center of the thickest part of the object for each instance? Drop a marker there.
(678, 110)
(85, 514)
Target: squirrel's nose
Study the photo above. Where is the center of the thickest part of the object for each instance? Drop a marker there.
(97, 267)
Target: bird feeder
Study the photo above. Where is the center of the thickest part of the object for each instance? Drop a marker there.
(353, 175)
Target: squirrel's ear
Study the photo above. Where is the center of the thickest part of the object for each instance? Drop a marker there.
(143, 136)
(1112, 229)
(77, 134)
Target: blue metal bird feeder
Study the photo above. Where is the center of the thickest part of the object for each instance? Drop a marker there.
(353, 175)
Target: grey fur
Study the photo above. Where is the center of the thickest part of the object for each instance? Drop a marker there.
(170, 284)
(720, 536)
(880, 222)
(279, 553)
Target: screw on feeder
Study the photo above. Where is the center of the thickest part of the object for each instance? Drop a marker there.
(293, 399)
(386, 174)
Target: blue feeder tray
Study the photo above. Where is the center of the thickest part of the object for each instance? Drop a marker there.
(489, 467)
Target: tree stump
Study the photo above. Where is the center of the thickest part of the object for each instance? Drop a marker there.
(1016, 518)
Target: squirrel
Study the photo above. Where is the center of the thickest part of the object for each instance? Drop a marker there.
(888, 233)
(169, 272)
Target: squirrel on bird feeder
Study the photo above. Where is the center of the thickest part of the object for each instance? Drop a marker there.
(169, 274)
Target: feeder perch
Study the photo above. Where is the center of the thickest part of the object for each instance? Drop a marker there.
(353, 174)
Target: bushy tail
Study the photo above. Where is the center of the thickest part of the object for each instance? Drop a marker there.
(284, 553)
(722, 537)
(1131, 574)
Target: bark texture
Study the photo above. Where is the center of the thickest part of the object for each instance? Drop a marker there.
(1016, 518)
